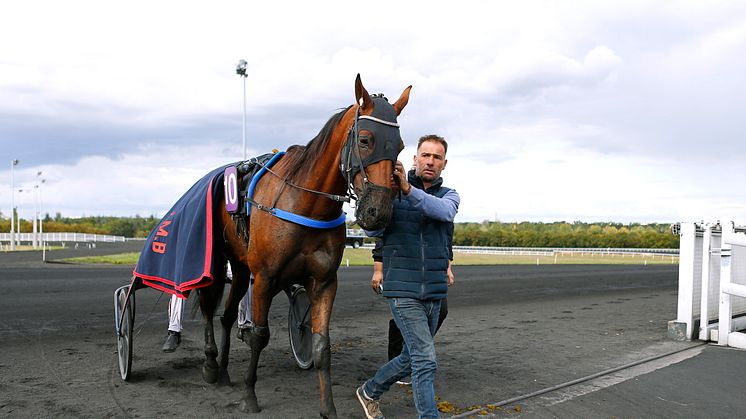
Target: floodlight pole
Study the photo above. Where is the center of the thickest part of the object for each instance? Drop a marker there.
(36, 211)
(13, 163)
(41, 226)
(18, 220)
(241, 71)
(35, 238)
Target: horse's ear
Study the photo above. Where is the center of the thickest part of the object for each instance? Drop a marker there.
(402, 101)
(362, 98)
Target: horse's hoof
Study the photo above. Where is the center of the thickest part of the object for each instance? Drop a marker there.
(224, 379)
(329, 415)
(210, 375)
(249, 406)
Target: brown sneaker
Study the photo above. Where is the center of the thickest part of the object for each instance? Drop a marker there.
(371, 407)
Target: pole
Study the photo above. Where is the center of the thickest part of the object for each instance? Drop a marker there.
(36, 210)
(244, 117)
(13, 163)
(41, 225)
(36, 213)
(241, 71)
(18, 220)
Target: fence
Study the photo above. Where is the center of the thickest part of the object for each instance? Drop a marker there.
(708, 267)
(732, 284)
(550, 251)
(61, 237)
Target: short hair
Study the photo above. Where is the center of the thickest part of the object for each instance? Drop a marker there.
(433, 138)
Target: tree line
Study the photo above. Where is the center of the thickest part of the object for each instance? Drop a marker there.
(487, 233)
(564, 234)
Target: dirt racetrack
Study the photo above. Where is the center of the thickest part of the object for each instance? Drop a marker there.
(511, 330)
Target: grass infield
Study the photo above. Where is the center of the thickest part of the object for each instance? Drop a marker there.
(361, 257)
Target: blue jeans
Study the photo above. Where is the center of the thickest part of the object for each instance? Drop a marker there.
(417, 321)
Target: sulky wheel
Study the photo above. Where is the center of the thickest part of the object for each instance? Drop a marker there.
(299, 327)
(126, 311)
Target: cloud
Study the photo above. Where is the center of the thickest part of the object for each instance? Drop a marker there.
(147, 180)
(527, 73)
(631, 110)
(569, 185)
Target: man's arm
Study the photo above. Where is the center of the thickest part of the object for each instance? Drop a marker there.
(377, 278)
(374, 233)
(442, 209)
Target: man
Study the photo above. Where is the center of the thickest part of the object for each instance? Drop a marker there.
(416, 257)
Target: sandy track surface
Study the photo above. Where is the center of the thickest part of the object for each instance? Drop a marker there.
(511, 330)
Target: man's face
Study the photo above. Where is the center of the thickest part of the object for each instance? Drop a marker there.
(430, 161)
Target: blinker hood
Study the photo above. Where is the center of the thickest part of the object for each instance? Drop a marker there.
(382, 124)
(387, 137)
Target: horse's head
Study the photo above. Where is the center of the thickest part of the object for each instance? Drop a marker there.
(369, 155)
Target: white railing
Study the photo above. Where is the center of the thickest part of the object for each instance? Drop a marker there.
(732, 286)
(700, 276)
(62, 237)
(515, 251)
(550, 251)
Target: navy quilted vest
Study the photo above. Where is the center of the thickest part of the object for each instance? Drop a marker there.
(416, 250)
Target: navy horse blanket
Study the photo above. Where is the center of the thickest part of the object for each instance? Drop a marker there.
(178, 253)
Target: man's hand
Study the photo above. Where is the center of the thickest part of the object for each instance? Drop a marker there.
(400, 176)
(450, 274)
(377, 278)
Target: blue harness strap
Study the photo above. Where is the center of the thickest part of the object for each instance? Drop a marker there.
(284, 215)
(259, 174)
(308, 222)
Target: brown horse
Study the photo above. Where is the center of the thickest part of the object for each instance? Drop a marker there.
(353, 155)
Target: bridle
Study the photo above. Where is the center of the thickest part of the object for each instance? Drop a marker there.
(351, 160)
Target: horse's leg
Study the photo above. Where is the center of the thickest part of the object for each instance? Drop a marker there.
(258, 339)
(322, 298)
(238, 289)
(209, 298)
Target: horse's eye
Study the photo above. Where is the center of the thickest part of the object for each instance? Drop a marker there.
(365, 140)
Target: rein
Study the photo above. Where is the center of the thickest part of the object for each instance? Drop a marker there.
(282, 214)
(285, 181)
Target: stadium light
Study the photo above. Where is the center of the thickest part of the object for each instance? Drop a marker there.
(241, 71)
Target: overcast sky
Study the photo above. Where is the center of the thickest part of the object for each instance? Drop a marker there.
(626, 111)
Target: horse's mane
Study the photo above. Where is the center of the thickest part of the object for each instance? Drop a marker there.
(300, 159)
